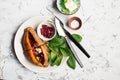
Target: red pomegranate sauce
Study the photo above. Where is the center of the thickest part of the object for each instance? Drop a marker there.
(47, 31)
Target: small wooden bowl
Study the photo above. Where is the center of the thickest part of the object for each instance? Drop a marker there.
(76, 19)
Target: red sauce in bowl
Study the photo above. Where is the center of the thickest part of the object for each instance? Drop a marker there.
(47, 31)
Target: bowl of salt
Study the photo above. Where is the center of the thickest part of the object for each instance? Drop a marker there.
(74, 23)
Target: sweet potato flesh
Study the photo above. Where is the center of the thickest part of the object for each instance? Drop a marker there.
(36, 49)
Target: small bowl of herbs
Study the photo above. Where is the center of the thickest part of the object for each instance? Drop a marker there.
(68, 6)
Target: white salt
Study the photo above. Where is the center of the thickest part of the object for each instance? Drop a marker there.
(74, 24)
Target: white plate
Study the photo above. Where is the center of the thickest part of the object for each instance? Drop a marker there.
(33, 22)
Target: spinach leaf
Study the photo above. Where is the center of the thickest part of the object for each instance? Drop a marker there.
(58, 60)
(64, 45)
(49, 58)
(54, 49)
(71, 62)
(56, 42)
(77, 37)
(53, 56)
(65, 51)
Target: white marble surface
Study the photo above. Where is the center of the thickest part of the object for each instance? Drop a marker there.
(101, 38)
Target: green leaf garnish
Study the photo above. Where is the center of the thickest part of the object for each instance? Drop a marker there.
(65, 51)
(58, 60)
(53, 56)
(54, 49)
(64, 45)
(71, 62)
(77, 37)
(56, 42)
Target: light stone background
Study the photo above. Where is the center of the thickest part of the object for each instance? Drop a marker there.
(100, 32)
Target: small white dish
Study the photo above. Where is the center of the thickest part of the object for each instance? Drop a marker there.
(50, 34)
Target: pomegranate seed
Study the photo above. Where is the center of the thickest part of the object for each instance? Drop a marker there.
(47, 31)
